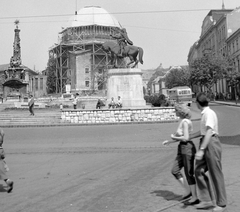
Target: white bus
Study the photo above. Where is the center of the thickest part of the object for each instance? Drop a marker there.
(181, 94)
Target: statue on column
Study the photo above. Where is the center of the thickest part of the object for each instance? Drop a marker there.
(15, 60)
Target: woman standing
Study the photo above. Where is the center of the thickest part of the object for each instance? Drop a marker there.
(185, 155)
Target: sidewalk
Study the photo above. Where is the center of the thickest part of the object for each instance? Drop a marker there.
(230, 103)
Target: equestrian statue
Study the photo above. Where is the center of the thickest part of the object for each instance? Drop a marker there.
(123, 48)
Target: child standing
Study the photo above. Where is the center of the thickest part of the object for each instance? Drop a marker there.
(3, 170)
(185, 155)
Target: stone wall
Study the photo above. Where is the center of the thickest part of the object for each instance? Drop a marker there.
(161, 114)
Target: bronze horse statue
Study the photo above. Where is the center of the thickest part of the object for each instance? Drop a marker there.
(129, 51)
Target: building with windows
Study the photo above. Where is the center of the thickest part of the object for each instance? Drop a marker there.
(218, 26)
(38, 85)
(79, 58)
(233, 49)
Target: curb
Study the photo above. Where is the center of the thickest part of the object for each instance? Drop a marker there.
(93, 124)
(228, 103)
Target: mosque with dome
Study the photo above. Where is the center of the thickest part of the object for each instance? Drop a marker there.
(81, 64)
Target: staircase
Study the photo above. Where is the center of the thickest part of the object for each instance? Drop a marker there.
(22, 118)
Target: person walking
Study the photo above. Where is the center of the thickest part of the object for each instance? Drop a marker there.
(3, 166)
(75, 103)
(185, 155)
(31, 105)
(208, 158)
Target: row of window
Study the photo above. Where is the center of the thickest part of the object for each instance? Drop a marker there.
(210, 42)
(233, 47)
(221, 35)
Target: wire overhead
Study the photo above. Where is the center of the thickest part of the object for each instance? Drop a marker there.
(120, 13)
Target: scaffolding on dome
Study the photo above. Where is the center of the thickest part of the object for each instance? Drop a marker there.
(81, 40)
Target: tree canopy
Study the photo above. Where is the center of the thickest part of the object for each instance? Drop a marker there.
(51, 76)
(207, 70)
(177, 77)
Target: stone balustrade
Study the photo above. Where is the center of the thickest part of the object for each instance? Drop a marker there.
(160, 114)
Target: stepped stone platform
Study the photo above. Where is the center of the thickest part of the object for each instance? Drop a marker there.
(22, 118)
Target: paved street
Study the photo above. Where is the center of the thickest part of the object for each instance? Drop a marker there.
(110, 168)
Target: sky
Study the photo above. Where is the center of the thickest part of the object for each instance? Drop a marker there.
(165, 29)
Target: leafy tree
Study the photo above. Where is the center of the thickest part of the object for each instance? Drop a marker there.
(51, 75)
(207, 70)
(177, 77)
(232, 76)
(157, 100)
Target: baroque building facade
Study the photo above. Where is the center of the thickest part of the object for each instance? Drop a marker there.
(217, 29)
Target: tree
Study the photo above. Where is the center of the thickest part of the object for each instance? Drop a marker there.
(207, 70)
(177, 77)
(232, 76)
(51, 76)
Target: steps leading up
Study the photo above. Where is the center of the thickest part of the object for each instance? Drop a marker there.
(23, 117)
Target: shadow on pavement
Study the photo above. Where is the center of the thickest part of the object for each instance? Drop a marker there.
(231, 140)
(167, 195)
(2, 188)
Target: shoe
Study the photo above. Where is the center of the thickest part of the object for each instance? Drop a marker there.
(10, 184)
(204, 205)
(186, 197)
(197, 201)
(219, 208)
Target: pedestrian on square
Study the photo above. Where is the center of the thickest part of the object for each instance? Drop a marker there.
(75, 102)
(3, 165)
(208, 158)
(185, 155)
(31, 105)
(99, 104)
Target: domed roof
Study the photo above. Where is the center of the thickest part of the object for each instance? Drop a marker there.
(94, 15)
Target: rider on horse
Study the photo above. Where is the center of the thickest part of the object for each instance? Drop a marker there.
(122, 39)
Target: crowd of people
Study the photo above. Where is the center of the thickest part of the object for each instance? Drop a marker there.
(197, 162)
(225, 96)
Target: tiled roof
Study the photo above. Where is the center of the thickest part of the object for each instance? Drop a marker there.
(4, 67)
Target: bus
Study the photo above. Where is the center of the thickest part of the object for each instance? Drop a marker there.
(181, 94)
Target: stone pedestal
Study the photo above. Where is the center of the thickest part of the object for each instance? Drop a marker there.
(126, 83)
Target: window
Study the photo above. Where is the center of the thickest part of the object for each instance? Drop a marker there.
(87, 70)
(87, 83)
